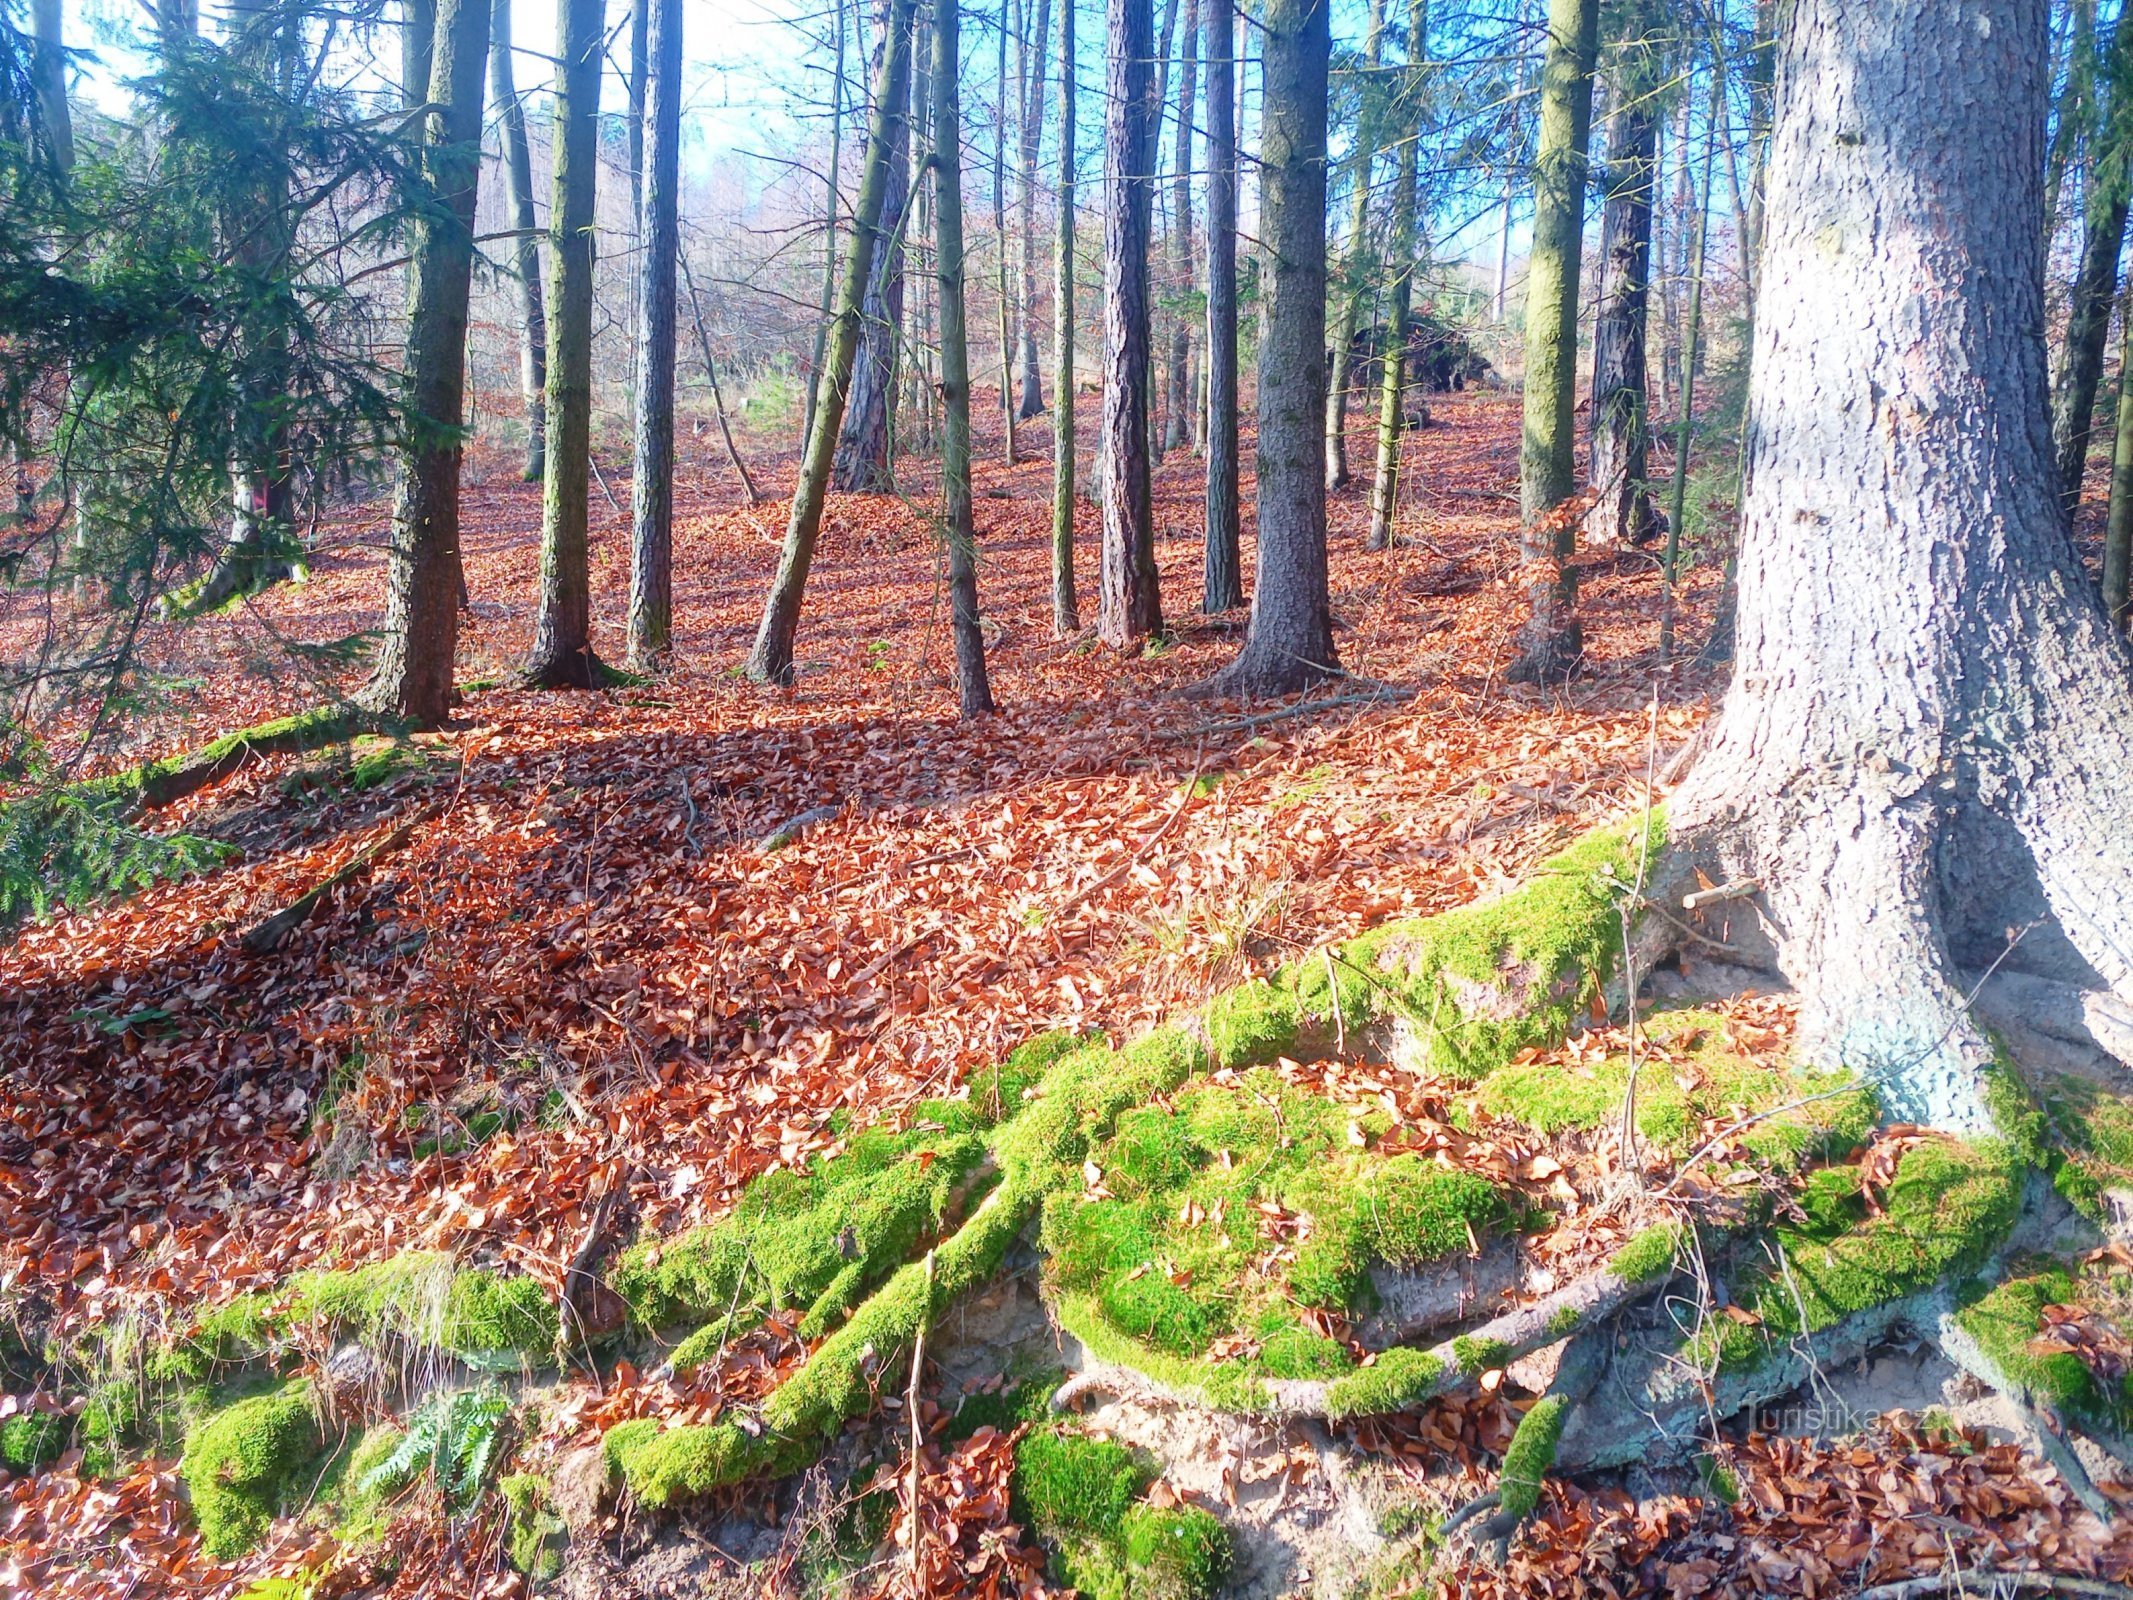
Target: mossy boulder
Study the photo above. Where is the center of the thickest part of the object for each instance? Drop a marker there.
(245, 1462)
(423, 1299)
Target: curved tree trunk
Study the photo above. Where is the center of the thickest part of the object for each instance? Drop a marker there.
(1622, 510)
(651, 616)
(562, 637)
(862, 462)
(1355, 273)
(414, 673)
(1130, 608)
(770, 659)
(1066, 607)
(525, 249)
(1551, 642)
(1178, 423)
(1929, 736)
(1224, 581)
(1290, 645)
(1392, 383)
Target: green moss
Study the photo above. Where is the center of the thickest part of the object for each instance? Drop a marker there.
(306, 730)
(1648, 1254)
(484, 1318)
(1398, 1379)
(534, 1535)
(29, 1439)
(1175, 1553)
(663, 1465)
(2005, 1321)
(1008, 1407)
(2083, 1131)
(488, 1316)
(241, 1464)
(1478, 984)
(1530, 1455)
(1565, 1321)
(228, 1335)
(1251, 1025)
(1081, 1496)
(1944, 1210)
(1068, 1482)
(1476, 1356)
(355, 1492)
(1225, 1385)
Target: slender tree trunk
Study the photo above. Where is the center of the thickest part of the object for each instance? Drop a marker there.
(1622, 511)
(525, 249)
(1159, 205)
(2096, 281)
(829, 235)
(414, 672)
(2118, 533)
(1131, 609)
(1551, 642)
(2076, 114)
(1925, 751)
(973, 692)
(48, 76)
(718, 398)
(1290, 644)
(562, 655)
(1224, 578)
(1181, 408)
(1673, 262)
(1355, 274)
(999, 233)
(1066, 607)
(1684, 426)
(914, 411)
(862, 461)
(1407, 128)
(1032, 97)
(651, 618)
(418, 28)
(770, 661)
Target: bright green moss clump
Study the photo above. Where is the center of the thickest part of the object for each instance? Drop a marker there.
(1648, 1254)
(1529, 1456)
(1399, 1378)
(2005, 1322)
(2083, 1131)
(29, 1439)
(484, 1318)
(1081, 1495)
(535, 1535)
(242, 1463)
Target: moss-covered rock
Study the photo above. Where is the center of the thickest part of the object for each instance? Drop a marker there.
(1082, 1495)
(242, 1463)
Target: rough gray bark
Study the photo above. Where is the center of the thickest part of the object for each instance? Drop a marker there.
(562, 655)
(1929, 735)
(525, 249)
(1224, 579)
(863, 449)
(1031, 81)
(1290, 644)
(651, 616)
(973, 692)
(1066, 607)
(770, 660)
(2118, 531)
(1130, 608)
(2109, 189)
(1178, 421)
(1355, 274)
(413, 678)
(1622, 510)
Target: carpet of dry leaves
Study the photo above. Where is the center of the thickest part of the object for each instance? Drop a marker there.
(585, 934)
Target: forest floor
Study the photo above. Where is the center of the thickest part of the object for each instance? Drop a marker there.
(589, 994)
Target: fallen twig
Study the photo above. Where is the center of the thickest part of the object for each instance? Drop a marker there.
(785, 832)
(267, 936)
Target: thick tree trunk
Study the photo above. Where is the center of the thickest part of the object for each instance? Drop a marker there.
(562, 655)
(1355, 275)
(1622, 510)
(1290, 645)
(1130, 608)
(1551, 642)
(1392, 385)
(1224, 579)
(2118, 532)
(2088, 320)
(651, 619)
(525, 249)
(1178, 422)
(1066, 606)
(1928, 741)
(863, 451)
(973, 692)
(1032, 95)
(414, 672)
(770, 660)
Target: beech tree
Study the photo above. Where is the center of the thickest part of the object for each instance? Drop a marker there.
(1224, 580)
(1030, 92)
(1130, 608)
(1066, 607)
(651, 614)
(1290, 642)
(526, 248)
(423, 576)
(562, 655)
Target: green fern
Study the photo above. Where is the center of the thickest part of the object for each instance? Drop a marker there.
(454, 1438)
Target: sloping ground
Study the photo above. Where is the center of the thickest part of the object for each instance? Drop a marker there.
(590, 995)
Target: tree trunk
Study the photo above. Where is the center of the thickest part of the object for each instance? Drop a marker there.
(2095, 286)
(414, 672)
(2076, 111)
(1673, 261)
(999, 234)
(1355, 275)
(862, 462)
(1407, 128)
(1622, 510)
(1926, 747)
(1290, 645)
(562, 635)
(2118, 532)
(718, 398)
(829, 236)
(526, 249)
(1224, 578)
(418, 30)
(1066, 607)
(1032, 96)
(651, 620)
(48, 77)
(1179, 420)
(1551, 642)
(1130, 609)
(770, 660)
(973, 693)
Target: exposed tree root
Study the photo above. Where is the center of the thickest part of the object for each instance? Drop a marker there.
(1998, 1583)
